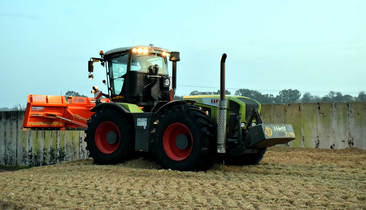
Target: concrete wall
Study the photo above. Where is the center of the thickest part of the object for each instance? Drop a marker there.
(323, 125)
(36, 147)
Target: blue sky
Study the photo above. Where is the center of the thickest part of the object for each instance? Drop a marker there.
(311, 45)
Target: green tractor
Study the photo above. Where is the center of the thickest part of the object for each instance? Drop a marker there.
(188, 134)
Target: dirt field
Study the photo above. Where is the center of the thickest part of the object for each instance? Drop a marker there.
(287, 178)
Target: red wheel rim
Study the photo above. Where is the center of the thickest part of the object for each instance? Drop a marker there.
(170, 141)
(101, 133)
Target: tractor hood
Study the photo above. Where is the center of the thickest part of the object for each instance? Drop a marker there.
(246, 105)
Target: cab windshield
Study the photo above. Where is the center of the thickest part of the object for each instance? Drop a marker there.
(141, 63)
(118, 66)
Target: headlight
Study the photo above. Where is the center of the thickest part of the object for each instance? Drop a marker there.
(165, 54)
(140, 50)
(166, 82)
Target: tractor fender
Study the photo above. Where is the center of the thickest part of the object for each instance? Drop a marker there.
(170, 104)
(114, 106)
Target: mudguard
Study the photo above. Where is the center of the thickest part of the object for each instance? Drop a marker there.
(168, 105)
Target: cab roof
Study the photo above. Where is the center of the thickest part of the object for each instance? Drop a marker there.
(124, 49)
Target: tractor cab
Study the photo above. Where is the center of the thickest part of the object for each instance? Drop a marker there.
(138, 75)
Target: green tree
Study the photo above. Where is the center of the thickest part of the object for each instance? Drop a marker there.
(73, 93)
(267, 99)
(361, 96)
(326, 99)
(226, 92)
(196, 92)
(307, 98)
(347, 98)
(178, 97)
(288, 96)
(262, 98)
(249, 93)
(337, 97)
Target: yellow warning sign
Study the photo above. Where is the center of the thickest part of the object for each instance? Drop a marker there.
(268, 131)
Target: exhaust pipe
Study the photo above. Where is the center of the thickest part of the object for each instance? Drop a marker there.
(221, 116)
(174, 57)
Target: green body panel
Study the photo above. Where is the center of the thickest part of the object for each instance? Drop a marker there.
(132, 108)
(211, 102)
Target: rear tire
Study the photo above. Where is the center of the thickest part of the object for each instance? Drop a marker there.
(109, 137)
(183, 139)
(246, 159)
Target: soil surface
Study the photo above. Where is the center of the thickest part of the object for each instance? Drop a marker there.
(287, 178)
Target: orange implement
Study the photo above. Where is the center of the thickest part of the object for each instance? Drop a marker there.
(55, 112)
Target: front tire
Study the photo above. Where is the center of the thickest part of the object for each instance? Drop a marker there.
(108, 137)
(183, 139)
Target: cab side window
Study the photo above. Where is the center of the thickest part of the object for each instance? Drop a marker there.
(118, 68)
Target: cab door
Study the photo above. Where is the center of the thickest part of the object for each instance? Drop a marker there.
(117, 70)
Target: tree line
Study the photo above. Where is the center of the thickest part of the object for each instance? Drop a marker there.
(285, 96)
(290, 96)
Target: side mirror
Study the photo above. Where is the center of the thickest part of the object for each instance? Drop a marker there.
(90, 66)
(174, 56)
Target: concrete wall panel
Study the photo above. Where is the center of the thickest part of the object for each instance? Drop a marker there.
(36, 147)
(339, 125)
(2, 138)
(309, 126)
(357, 125)
(293, 116)
(325, 131)
(323, 125)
